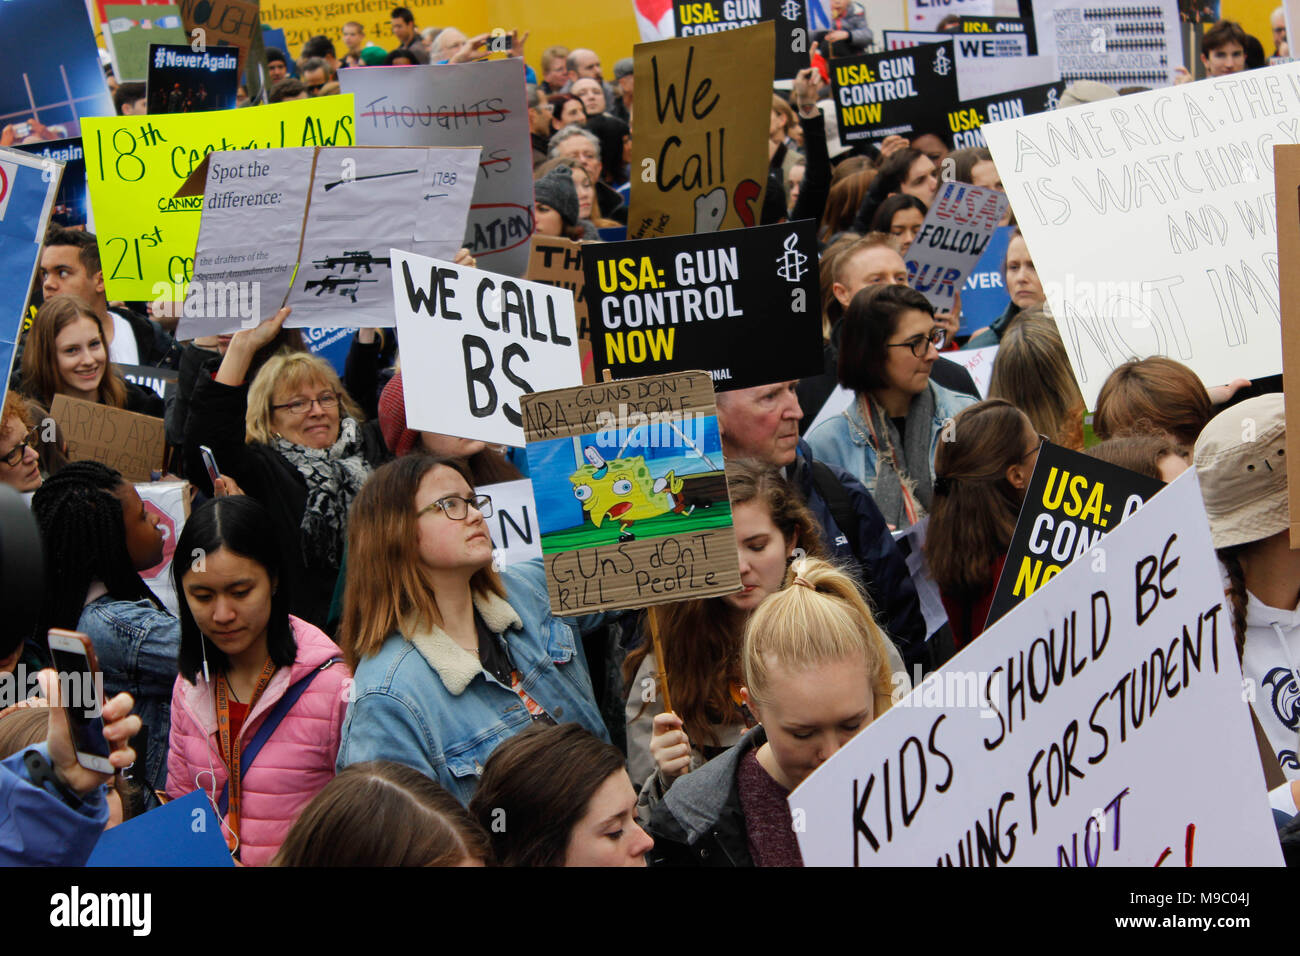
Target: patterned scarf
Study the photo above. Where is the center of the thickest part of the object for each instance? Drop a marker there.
(903, 487)
(334, 475)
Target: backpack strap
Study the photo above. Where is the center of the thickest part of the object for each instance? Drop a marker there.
(840, 504)
(249, 753)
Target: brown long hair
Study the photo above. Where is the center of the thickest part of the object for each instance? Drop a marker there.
(842, 202)
(702, 639)
(41, 378)
(386, 590)
(1153, 394)
(1236, 592)
(1032, 372)
(381, 813)
(971, 522)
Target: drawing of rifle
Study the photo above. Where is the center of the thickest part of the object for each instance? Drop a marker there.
(354, 258)
(343, 285)
(357, 179)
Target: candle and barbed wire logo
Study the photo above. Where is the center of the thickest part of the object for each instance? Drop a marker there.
(1053, 100)
(792, 10)
(790, 264)
(942, 62)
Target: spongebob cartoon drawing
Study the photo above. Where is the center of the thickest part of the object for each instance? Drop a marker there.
(624, 491)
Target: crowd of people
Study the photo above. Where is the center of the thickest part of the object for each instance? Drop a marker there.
(350, 678)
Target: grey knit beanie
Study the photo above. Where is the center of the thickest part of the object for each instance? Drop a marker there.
(556, 190)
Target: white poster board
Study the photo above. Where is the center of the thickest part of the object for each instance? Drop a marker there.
(955, 233)
(1151, 221)
(462, 104)
(474, 341)
(166, 500)
(516, 535)
(1033, 747)
(324, 220)
(979, 362)
(991, 76)
(1117, 44)
(926, 14)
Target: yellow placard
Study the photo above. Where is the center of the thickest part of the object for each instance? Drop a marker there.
(136, 164)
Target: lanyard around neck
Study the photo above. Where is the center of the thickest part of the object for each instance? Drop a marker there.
(230, 745)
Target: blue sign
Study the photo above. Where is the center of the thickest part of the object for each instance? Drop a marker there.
(984, 296)
(28, 186)
(184, 832)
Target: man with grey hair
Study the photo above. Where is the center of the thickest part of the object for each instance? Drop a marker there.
(621, 106)
(574, 142)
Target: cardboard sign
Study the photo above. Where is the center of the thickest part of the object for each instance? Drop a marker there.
(632, 492)
(169, 502)
(1156, 236)
(133, 444)
(182, 832)
(967, 118)
(984, 295)
(1072, 500)
(1120, 45)
(223, 23)
(926, 14)
(135, 165)
(1052, 740)
(901, 92)
(558, 262)
(954, 235)
(1286, 172)
(474, 342)
(694, 18)
(703, 107)
(53, 76)
(71, 205)
(182, 81)
(131, 28)
(462, 104)
(516, 532)
(27, 189)
(742, 304)
(326, 218)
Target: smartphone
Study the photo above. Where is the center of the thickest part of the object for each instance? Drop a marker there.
(74, 659)
(210, 462)
(22, 131)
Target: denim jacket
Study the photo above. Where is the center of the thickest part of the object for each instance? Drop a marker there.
(424, 701)
(844, 440)
(137, 646)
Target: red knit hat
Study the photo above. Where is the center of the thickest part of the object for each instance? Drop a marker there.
(392, 418)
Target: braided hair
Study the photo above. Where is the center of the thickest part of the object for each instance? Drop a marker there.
(1236, 591)
(84, 534)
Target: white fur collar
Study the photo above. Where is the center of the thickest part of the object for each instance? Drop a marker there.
(453, 664)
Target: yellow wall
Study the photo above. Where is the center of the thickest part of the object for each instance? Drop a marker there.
(1253, 16)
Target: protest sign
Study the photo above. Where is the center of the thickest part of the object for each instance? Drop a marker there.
(984, 295)
(54, 78)
(968, 117)
(1072, 500)
(897, 93)
(1151, 222)
(1286, 172)
(462, 104)
(926, 14)
(979, 363)
(28, 186)
(182, 832)
(632, 493)
(473, 342)
(332, 345)
(1003, 26)
(71, 205)
(131, 28)
(131, 443)
(978, 78)
(222, 23)
(182, 81)
(161, 380)
(967, 46)
(135, 165)
(169, 503)
(325, 218)
(558, 262)
(703, 107)
(1102, 723)
(696, 18)
(956, 230)
(742, 304)
(1121, 45)
(516, 534)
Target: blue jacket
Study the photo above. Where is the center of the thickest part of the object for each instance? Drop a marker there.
(137, 646)
(424, 701)
(37, 828)
(882, 565)
(844, 440)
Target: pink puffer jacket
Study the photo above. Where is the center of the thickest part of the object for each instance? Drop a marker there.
(293, 766)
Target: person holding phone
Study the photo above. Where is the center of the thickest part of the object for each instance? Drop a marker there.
(258, 707)
(98, 536)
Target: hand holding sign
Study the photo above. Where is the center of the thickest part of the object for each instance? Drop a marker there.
(670, 746)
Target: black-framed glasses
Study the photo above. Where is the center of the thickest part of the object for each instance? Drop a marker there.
(1042, 440)
(301, 406)
(920, 344)
(457, 508)
(14, 456)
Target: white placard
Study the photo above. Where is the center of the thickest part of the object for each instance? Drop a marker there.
(1065, 762)
(516, 535)
(166, 500)
(969, 46)
(926, 14)
(979, 362)
(1119, 44)
(956, 230)
(461, 104)
(474, 341)
(978, 77)
(1151, 221)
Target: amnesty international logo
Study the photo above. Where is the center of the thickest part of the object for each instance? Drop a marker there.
(792, 10)
(1052, 99)
(942, 62)
(790, 264)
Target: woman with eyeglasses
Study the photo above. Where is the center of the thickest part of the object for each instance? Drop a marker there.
(20, 463)
(887, 437)
(450, 656)
(292, 439)
(982, 474)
